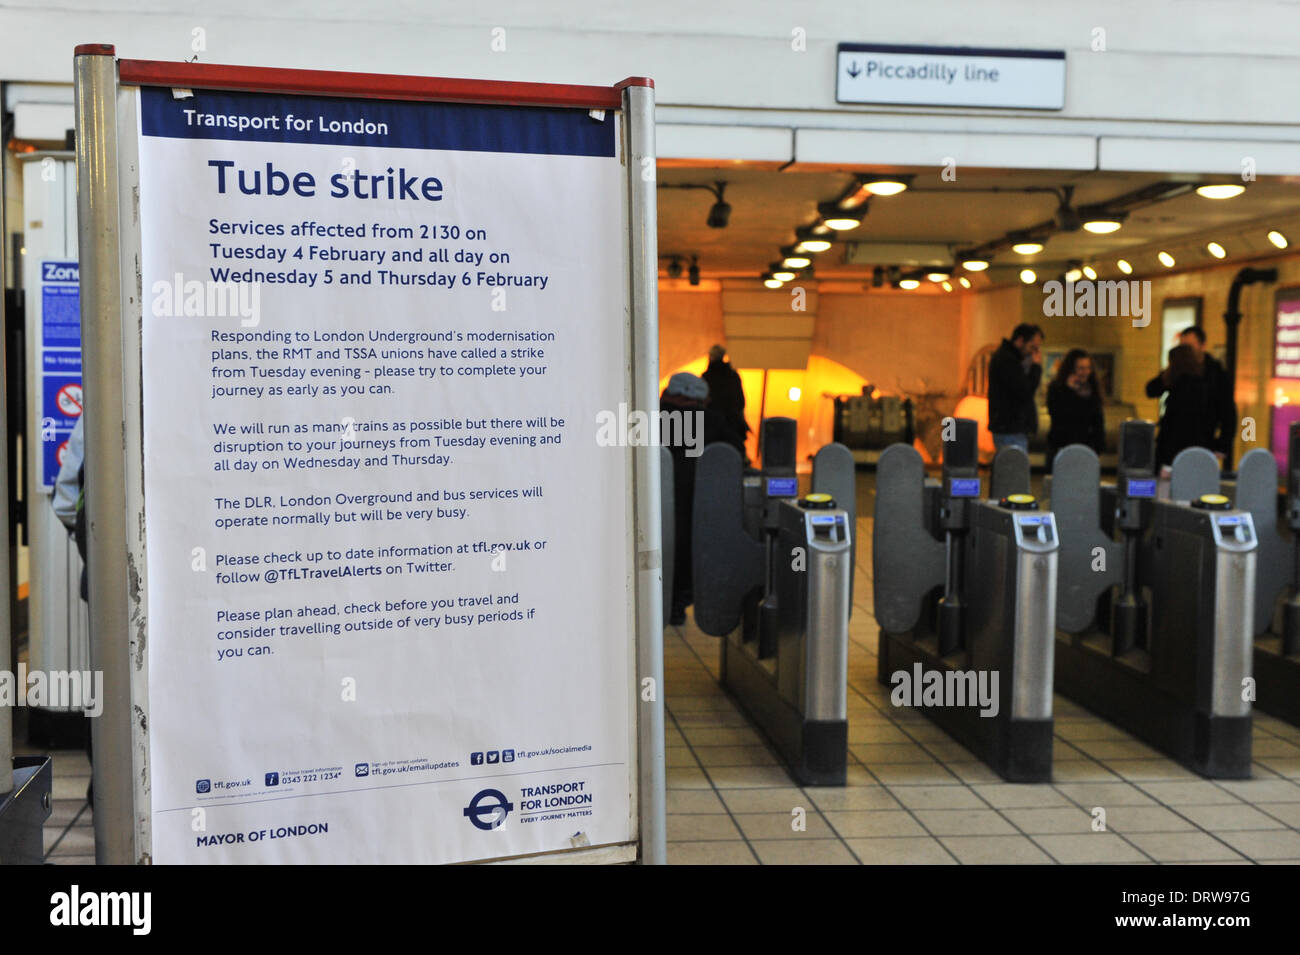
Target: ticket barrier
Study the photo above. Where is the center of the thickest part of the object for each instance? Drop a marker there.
(965, 596)
(772, 576)
(1276, 658)
(1155, 602)
(24, 810)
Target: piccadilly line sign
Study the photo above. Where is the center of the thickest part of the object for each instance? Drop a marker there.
(949, 76)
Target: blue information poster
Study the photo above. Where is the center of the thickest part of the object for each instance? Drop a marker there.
(60, 345)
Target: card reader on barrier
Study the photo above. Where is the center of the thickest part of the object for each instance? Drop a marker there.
(965, 595)
(773, 577)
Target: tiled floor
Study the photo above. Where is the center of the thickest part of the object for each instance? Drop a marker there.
(916, 797)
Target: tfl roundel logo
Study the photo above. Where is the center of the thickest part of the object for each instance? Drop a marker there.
(488, 809)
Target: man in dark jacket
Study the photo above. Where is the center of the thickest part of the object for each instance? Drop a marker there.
(1221, 404)
(1014, 373)
(725, 392)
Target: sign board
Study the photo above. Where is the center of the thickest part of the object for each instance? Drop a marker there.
(949, 76)
(393, 605)
(60, 358)
(1285, 396)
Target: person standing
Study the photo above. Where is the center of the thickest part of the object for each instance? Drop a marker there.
(726, 394)
(1015, 370)
(1220, 408)
(1188, 420)
(687, 394)
(1074, 404)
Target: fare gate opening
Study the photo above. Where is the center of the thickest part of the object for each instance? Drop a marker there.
(1156, 602)
(965, 596)
(773, 578)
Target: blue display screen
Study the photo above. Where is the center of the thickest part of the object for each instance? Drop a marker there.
(1035, 520)
(782, 487)
(826, 519)
(1232, 520)
(1142, 487)
(965, 487)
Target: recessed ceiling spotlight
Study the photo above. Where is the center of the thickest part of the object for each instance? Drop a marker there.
(1073, 275)
(1103, 224)
(1028, 276)
(974, 265)
(947, 286)
(965, 282)
(1278, 239)
(1216, 250)
(838, 219)
(908, 284)
(1125, 267)
(1227, 190)
(1027, 248)
(1090, 273)
(886, 187)
(1166, 259)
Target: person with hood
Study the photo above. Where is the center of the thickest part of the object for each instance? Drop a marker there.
(688, 394)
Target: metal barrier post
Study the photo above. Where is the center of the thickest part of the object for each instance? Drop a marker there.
(101, 330)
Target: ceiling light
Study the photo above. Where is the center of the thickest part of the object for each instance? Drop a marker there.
(1125, 267)
(974, 265)
(965, 282)
(794, 394)
(1166, 259)
(812, 245)
(1216, 250)
(1090, 272)
(1073, 275)
(947, 286)
(1028, 276)
(936, 276)
(773, 282)
(783, 275)
(1027, 248)
(909, 284)
(1103, 224)
(1278, 239)
(839, 220)
(796, 262)
(886, 187)
(1226, 190)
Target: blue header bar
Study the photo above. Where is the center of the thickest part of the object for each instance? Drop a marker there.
(326, 121)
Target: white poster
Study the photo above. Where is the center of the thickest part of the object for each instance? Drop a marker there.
(389, 584)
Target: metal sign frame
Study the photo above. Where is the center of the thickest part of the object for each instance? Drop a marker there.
(112, 318)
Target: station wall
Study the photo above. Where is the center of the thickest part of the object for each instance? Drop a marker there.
(921, 345)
